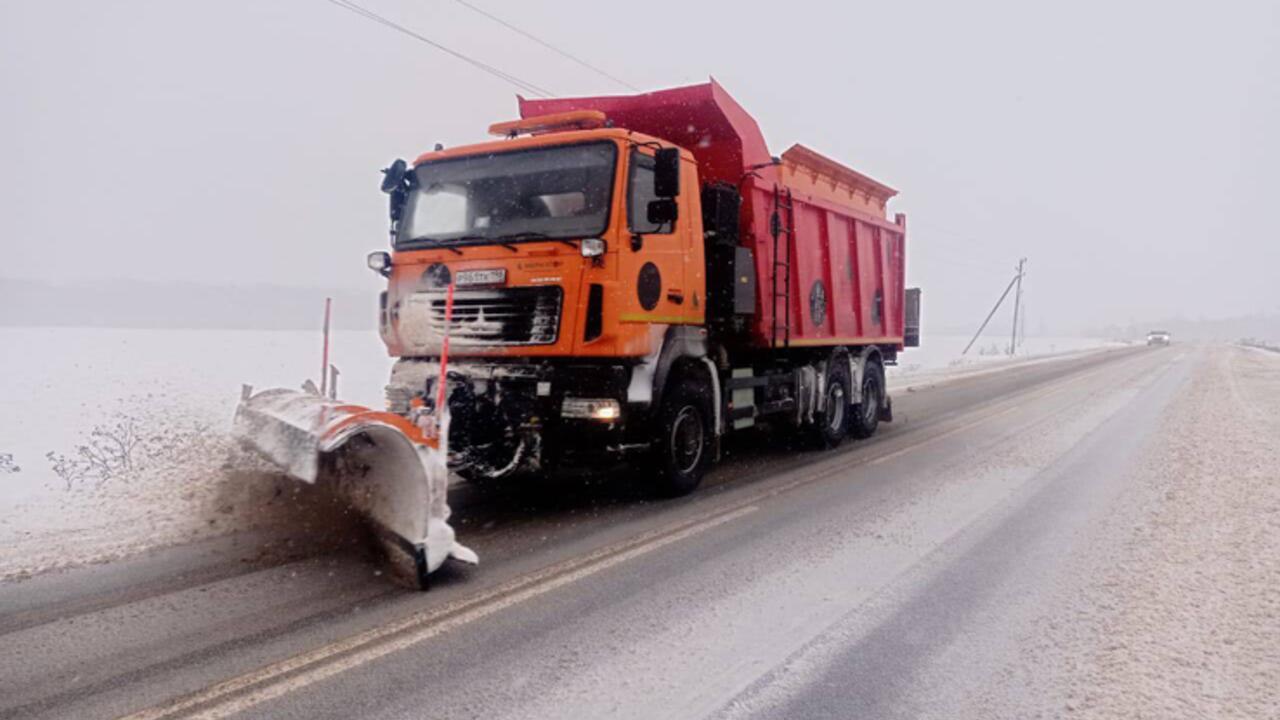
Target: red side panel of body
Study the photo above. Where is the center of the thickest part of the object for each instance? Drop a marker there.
(846, 275)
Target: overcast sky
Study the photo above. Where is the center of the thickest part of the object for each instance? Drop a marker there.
(1128, 150)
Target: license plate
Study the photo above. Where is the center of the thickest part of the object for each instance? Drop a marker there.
(470, 278)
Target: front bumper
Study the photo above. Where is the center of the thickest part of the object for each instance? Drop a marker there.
(494, 404)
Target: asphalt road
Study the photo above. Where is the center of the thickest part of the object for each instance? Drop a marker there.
(868, 581)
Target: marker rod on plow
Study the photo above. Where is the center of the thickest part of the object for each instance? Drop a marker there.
(444, 357)
(324, 359)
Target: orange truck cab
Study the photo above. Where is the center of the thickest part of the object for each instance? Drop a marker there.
(637, 275)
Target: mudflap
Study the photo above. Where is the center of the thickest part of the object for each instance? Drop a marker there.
(381, 463)
(886, 410)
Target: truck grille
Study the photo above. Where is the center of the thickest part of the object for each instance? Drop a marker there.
(509, 316)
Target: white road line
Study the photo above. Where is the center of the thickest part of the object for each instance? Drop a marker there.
(932, 438)
(371, 645)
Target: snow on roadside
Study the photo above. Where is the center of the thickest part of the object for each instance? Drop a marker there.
(940, 358)
(116, 440)
(1179, 616)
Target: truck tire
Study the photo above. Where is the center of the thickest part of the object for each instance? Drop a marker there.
(865, 417)
(682, 450)
(832, 424)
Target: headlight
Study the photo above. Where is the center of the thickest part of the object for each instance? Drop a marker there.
(435, 277)
(379, 262)
(593, 247)
(605, 409)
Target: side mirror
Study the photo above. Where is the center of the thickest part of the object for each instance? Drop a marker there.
(393, 176)
(666, 173)
(661, 212)
(380, 262)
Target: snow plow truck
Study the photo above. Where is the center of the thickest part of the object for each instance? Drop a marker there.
(632, 276)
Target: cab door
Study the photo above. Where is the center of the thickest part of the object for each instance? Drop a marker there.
(658, 263)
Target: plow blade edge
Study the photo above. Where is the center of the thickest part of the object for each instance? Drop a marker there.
(378, 461)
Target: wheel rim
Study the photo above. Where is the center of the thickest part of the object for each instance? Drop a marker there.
(870, 400)
(835, 406)
(686, 439)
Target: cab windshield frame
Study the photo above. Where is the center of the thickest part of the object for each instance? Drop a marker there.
(524, 220)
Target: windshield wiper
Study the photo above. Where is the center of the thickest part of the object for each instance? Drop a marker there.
(505, 241)
(529, 235)
(434, 242)
(487, 240)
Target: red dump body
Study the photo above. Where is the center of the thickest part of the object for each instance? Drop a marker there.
(845, 261)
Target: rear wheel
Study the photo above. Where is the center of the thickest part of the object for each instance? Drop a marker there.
(832, 424)
(682, 450)
(865, 416)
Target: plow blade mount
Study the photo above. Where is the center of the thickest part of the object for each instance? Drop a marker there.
(379, 462)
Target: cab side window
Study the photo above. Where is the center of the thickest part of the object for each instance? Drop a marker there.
(640, 194)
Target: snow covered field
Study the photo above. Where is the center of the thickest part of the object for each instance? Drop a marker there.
(169, 396)
(60, 383)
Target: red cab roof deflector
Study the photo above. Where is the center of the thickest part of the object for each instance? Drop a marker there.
(701, 118)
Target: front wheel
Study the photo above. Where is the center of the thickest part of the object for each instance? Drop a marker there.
(683, 447)
(865, 417)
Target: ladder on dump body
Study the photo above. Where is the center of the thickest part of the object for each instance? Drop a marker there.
(780, 226)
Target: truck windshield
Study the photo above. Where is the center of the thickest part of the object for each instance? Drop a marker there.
(553, 192)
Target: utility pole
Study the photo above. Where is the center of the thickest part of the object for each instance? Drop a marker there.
(1022, 324)
(1017, 300)
(1003, 295)
(1015, 282)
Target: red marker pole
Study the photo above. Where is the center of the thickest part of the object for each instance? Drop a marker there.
(444, 354)
(324, 361)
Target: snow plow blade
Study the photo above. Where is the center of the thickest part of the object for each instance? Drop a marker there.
(379, 462)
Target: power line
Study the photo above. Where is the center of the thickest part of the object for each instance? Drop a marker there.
(508, 77)
(547, 45)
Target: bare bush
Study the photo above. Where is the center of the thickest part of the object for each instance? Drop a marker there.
(7, 465)
(108, 454)
(130, 446)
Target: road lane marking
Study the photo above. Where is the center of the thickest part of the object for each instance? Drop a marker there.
(932, 438)
(334, 658)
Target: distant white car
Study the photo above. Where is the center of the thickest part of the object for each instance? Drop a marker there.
(1159, 337)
